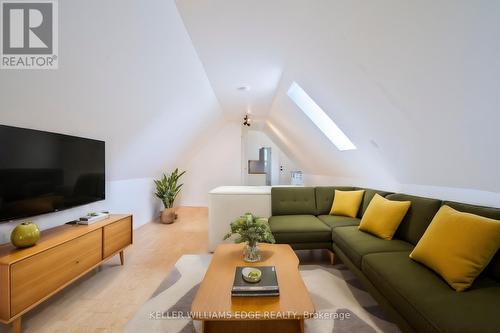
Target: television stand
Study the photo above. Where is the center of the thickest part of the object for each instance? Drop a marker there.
(62, 255)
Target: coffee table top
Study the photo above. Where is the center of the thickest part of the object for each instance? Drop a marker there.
(213, 300)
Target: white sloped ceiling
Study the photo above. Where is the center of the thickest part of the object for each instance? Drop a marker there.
(128, 74)
(414, 84)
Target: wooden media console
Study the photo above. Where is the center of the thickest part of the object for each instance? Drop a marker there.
(62, 255)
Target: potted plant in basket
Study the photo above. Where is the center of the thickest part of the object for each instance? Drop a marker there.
(251, 230)
(167, 189)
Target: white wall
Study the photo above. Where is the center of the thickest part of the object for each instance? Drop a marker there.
(131, 196)
(128, 74)
(215, 161)
(414, 84)
(253, 140)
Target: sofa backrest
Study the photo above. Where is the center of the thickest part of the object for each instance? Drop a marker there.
(493, 268)
(325, 195)
(293, 201)
(367, 198)
(418, 218)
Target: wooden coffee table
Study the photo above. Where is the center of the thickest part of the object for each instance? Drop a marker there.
(219, 312)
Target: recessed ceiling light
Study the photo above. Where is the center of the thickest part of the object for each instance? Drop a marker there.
(244, 88)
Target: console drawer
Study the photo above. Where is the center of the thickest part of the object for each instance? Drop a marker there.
(117, 235)
(38, 276)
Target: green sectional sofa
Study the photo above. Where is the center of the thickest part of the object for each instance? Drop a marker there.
(415, 297)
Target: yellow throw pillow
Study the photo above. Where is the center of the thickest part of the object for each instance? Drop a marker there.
(382, 216)
(346, 203)
(458, 246)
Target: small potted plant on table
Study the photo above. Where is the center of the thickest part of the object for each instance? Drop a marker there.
(167, 190)
(251, 230)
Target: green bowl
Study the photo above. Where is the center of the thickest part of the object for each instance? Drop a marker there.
(251, 274)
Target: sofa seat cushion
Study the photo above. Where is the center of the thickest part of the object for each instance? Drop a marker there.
(338, 221)
(427, 302)
(355, 243)
(311, 246)
(299, 229)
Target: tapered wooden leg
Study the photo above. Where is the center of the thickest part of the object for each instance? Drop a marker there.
(332, 257)
(16, 325)
(122, 258)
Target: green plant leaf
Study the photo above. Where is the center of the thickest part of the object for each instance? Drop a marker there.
(250, 229)
(167, 188)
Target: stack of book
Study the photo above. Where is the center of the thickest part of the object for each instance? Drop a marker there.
(93, 218)
(267, 286)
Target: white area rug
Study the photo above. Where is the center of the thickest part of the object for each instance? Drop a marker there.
(333, 289)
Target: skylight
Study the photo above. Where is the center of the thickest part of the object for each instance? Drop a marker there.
(319, 118)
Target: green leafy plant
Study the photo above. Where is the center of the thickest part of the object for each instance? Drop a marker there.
(167, 188)
(251, 229)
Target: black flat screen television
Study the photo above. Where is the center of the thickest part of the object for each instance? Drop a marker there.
(42, 172)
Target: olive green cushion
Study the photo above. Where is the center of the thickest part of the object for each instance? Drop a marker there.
(311, 246)
(334, 221)
(324, 197)
(489, 212)
(367, 198)
(289, 229)
(355, 244)
(427, 302)
(493, 269)
(418, 217)
(293, 201)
